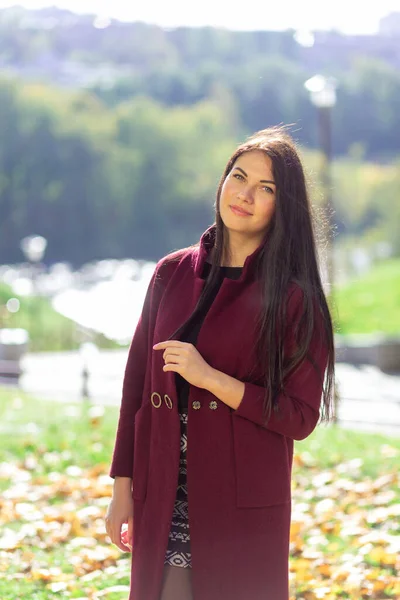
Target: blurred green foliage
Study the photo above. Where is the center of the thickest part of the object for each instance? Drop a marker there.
(139, 179)
(48, 330)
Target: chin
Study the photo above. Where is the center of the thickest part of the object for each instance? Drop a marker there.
(236, 228)
(233, 223)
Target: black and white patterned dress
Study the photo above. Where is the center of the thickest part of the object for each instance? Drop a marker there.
(178, 551)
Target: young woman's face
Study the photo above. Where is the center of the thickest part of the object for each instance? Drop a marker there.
(249, 186)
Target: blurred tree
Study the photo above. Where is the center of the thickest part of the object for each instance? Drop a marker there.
(139, 179)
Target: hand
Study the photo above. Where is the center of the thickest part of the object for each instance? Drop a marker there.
(125, 537)
(184, 358)
(120, 511)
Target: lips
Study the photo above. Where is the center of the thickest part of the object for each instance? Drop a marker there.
(239, 211)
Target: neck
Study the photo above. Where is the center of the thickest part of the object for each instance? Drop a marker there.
(239, 248)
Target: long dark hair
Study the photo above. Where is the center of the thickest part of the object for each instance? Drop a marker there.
(288, 255)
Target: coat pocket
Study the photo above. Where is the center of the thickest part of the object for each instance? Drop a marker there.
(141, 452)
(261, 465)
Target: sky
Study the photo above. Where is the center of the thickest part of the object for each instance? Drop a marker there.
(348, 16)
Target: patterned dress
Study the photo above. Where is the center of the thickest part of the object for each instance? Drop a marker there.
(178, 551)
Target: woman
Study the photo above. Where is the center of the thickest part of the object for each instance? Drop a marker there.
(228, 365)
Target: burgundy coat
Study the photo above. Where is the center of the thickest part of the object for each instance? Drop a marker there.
(238, 471)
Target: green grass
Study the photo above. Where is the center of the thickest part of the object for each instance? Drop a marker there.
(60, 427)
(56, 436)
(371, 303)
(329, 446)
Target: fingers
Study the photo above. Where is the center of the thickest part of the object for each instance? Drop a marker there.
(170, 344)
(173, 367)
(122, 546)
(171, 358)
(114, 533)
(172, 352)
(124, 539)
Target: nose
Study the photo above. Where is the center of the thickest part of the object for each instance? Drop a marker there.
(245, 195)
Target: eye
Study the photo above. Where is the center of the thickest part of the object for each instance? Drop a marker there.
(268, 189)
(238, 176)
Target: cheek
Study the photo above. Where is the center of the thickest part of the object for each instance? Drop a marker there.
(267, 208)
(228, 189)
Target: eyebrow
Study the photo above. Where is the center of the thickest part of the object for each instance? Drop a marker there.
(261, 180)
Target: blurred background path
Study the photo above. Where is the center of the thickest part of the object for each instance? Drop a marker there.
(370, 399)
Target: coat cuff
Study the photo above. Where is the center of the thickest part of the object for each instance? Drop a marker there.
(118, 472)
(251, 404)
(296, 419)
(122, 460)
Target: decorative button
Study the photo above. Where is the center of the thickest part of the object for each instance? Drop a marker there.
(213, 405)
(196, 404)
(153, 401)
(168, 401)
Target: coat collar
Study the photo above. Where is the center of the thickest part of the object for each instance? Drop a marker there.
(203, 250)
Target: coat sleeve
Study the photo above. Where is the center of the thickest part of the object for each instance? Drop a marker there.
(299, 406)
(133, 382)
